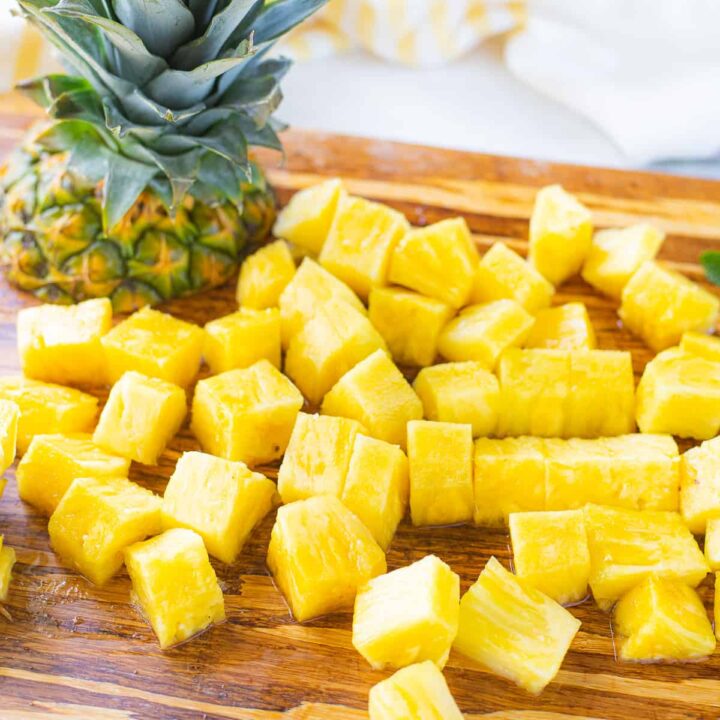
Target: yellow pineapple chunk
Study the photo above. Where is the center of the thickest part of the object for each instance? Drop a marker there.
(407, 616)
(52, 462)
(409, 323)
(154, 344)
(662, 620)
(566, 327)
(9, 417)
(463, 392)
(616, 254)
(305, 221)
(439, 261)
(513, 629)
(712, 543)
(560, 234)
(320, 554)
(246, 414)
(175, 585)
(62, 344)
(221, 500)
(141, 416)
(706, 346)
(441, 479)
(700, 485)
(7, 560)
(241, 339)
(415, 692)
(264, 275)
(96, 519)
(376, 486)
(360, 243)
(627, 546)
(503, 273)
(550, 553)
(716, 606)
(659, 305)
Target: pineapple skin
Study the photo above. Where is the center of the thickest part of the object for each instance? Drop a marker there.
(264, 275)
(9, 418)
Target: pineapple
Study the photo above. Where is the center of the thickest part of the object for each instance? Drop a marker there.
(376, 394)
(221, 500)
(502, 273)
(9, 418)
(96, 519)
(615, 255)
(7, 560)
(560, 234)
(439, 261)
(241, 339)
(175, 585)
(716, 605)
(513, 629)
(140, 417)
(482, 332)
(247, 414)
(264, 275)
(659, 305)
(408, 616)
(320, 554)
(566, 327)
(712, 543)
(700, 485)
(705, 346)
(662, 620)
(550, 553)
(441, 473)
(409, 323)
(463, 392)
(62, 344)
(52, 462)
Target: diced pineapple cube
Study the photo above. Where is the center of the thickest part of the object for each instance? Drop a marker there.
(96, 519)
(566, 327)
(175, 585)
(662, 620)
(140, 417)
(441, 478)
(320, 554)
(154, 344)
(7, 560)
(659, 305)
(9, 417)
(712, 543)
(706, 346)
(700, 485)
(409, 323)
(502, 273)
(62, 344)
(241, 339)
(221, 500)
(246, 414)
(513, 629)
(407, 616)
(264, 275)
(439, 261)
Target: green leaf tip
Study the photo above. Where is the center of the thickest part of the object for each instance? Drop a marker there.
(710, 261)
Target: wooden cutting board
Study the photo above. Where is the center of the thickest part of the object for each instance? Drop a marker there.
(73, 650)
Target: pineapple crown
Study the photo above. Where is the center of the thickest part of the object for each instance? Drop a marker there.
(165, 93)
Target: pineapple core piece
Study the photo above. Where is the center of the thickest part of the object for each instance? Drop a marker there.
(62, 344)
(305, 221)
(662, 620)
(241, 339)
(482, 332)
(706, 346)
(9, 417)
(140, 417)
(441, 481)
(320, 554)
(700, 485)
(659, 305)
(513, 629)
(550, 553)
(566, 327)
(409, 323)
(615, 255)
(264, 275)
(154, 344)
(408, 616)
(52, 462)
(246, 414)
(417, 692)
(221, 500)
(502, 273)
(175, 585)
(463, 392)
(360, 243)
(7, 560)
(439, 261)
(376, 394)
(96, 519)
(560, 234)
(712, 543)
(627, 546)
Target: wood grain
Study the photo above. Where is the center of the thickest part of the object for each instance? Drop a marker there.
(76, 651)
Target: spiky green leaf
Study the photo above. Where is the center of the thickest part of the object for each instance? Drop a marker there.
(203, 11)
(124, 181)
(710, 261)
(163, 25)
(279, 17)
